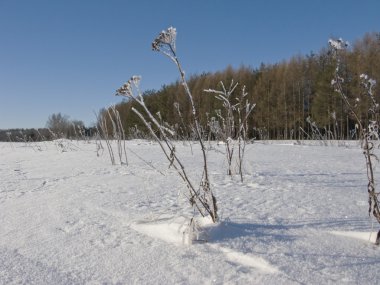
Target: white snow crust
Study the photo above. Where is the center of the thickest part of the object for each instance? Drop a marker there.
(300, 217)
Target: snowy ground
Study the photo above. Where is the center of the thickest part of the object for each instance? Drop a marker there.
(300, 217)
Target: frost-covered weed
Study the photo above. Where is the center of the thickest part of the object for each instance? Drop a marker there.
(315, 132)
(104, 134)
(200, 197)
(369, 135)
(232, 124)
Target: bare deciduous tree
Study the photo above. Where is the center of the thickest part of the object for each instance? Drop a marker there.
(58, 124)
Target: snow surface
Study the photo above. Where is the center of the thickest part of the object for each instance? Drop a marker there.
(300, 217)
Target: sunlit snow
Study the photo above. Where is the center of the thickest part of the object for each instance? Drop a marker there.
(300, 217)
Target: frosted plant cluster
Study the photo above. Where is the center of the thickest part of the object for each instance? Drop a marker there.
(368, 133)
(338, 44)
(368, 83)
(165, 38)
(201, 197)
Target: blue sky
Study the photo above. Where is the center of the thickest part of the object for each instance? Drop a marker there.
(70, 56)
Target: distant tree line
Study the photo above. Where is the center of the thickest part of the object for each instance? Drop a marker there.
(291, 96)
(57, 126)
(22, 135)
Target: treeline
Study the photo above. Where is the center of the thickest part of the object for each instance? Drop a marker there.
(58, 126)
(44, 134)
(25, 135)
(292, 97)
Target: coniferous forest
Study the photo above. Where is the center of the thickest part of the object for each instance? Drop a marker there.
(292, 97)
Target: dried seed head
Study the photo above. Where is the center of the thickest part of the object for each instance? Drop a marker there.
(165, 38)
(338, 44)
(368, 83)
(125, 90)
(136, 80)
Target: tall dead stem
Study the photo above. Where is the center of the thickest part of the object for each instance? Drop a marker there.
(366, 134)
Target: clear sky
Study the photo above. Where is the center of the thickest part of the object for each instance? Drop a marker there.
(70, 56)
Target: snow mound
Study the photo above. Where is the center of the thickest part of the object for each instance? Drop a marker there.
(365, 236)
(178, 231)
(171, 230)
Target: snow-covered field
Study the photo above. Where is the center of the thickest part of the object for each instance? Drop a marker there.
(300, 217)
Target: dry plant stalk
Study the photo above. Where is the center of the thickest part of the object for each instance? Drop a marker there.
(240, 108)
(228, 121)
(367, 134)
(244, 112)
(202, 198)
(103, 132)
(118, 133)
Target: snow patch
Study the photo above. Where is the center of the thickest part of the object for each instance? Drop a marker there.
(174, 231)
(247, 260)
(178, 231)
(365, 236)
(73, 218)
